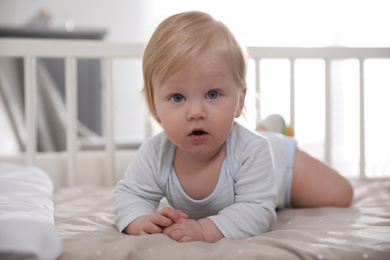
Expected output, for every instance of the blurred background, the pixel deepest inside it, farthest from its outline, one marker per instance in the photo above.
(294, 23)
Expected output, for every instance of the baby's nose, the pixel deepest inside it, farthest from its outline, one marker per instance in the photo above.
(196, 111)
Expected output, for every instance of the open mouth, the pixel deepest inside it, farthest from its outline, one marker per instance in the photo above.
(198, 135)
(198, 132)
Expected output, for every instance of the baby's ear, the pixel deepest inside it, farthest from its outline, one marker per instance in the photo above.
(241, 103)
(155, 114)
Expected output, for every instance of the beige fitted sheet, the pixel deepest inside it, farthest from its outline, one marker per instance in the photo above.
(85, 222)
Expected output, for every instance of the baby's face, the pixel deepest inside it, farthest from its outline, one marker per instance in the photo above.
(198, 104)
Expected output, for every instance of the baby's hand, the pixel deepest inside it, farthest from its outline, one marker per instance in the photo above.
(156, 222)
(191, 230)
(186, 230)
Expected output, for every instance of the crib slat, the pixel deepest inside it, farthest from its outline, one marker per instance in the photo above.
(292, 93)
(328, 114)
(257, 91)
(109, 121)
(148, 125)
(30, 86)
(362, 121)
(71, 105)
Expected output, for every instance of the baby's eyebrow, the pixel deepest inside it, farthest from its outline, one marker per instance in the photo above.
(171, 85)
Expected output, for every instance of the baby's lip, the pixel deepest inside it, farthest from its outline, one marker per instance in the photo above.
(198, 135)
(198, 132)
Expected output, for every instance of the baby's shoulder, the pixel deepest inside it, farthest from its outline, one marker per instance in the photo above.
(159, 148)
(156, 143)
(244, 136)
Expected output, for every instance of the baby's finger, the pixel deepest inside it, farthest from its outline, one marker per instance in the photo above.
(181, 214)
(151, 228)
(161, 220)
(185, 239)
(171, 214)
(173, 232)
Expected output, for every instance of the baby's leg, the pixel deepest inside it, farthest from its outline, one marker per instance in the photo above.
(315, 184)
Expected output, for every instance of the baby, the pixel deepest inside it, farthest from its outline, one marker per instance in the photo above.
(221, 179)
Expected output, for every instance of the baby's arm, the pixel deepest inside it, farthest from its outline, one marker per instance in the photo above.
(188, 230)
(156, 222)
(138, 195)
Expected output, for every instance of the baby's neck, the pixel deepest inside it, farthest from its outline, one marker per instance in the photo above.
(199, 161)
(199, 176)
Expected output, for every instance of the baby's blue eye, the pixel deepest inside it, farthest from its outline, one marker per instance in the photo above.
(177, 98)
(213, 94)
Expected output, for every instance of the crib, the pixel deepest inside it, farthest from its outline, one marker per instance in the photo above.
(83, 180)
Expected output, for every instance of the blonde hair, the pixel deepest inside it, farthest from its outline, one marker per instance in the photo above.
(179, 40)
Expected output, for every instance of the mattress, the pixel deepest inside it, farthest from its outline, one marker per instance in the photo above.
(84, 221)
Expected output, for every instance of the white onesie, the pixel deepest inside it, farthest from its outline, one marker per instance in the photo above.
(242, 203)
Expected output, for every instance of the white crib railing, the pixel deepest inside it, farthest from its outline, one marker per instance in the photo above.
(327, 54)
(71, 50)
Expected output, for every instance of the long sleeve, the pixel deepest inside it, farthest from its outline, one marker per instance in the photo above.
(140, 192)
(253, 211)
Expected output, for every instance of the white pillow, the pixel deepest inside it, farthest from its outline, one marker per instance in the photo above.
(27, 214)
